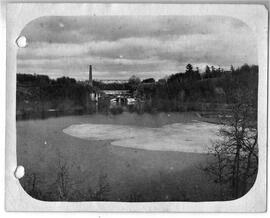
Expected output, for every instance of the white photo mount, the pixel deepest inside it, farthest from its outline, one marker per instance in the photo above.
(20, 14)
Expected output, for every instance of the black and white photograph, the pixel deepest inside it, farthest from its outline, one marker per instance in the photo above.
(137, 108)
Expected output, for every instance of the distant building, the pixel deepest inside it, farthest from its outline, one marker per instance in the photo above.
(110, 81)
(90, 80)
(95, 93)
(116, 92)
(149, 80)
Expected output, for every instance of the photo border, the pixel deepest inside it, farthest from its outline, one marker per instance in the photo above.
(255, 16)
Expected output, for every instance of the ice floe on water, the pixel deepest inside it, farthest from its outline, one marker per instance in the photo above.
(183, 137)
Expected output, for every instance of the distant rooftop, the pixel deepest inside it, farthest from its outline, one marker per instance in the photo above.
(108, 81)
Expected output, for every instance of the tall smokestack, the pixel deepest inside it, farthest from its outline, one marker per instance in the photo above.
(90, 76)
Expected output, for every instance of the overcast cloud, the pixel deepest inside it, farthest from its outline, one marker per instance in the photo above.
(146, 46)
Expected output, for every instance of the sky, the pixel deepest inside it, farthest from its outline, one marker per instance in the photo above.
(121, 46)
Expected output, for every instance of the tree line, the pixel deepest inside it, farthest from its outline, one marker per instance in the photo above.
(173, 93)
(194, 88)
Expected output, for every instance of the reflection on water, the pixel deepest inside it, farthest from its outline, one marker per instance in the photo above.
(185, 137)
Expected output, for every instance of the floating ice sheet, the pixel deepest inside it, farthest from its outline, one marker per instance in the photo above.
(183, 137)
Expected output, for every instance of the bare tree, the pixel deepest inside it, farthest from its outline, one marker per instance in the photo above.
(64, 182)
(102, 189)
(216, 167)
(235, 156)
(32, 185)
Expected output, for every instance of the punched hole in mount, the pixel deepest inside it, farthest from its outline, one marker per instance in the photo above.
(21, 42)
(19, 172)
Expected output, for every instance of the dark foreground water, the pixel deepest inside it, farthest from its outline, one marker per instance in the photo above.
(105, 165)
